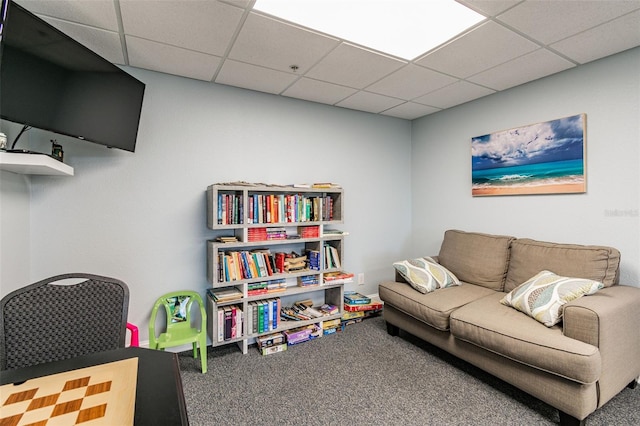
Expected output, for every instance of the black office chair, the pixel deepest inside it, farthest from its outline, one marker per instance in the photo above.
(53, 320)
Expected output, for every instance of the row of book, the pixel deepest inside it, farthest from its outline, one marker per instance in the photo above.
(279, 341)
(288, 208)
(259, 263)
(230, 209)
(240, 265)
(273, 208)
(265, 315)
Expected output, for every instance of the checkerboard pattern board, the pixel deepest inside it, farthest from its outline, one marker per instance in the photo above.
(91, 396)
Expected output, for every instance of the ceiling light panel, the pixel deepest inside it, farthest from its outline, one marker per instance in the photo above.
(403, 28)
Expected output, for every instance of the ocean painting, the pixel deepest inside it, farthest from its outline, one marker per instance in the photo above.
(543, 158)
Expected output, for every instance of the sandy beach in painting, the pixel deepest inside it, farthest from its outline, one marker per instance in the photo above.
(565, 188)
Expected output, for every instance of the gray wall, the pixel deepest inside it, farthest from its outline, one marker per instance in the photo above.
(141, 217)
(608, 91)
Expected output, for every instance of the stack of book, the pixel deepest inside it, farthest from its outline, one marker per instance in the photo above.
(257, 234)
(294, 263)
(358, 307)
(332, 326)
(308, 280)
(225, 294)
(271, 343)
(266, 287)
(266, 234)
(227, 239)
(309, 231)
(302, 334)
(304, 310)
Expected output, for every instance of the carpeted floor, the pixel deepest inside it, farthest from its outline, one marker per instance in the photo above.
(364, 376)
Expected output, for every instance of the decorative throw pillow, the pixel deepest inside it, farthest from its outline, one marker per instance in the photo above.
(542, 296)
(425, 274)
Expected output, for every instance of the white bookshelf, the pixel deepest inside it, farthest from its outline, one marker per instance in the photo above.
(243, 221)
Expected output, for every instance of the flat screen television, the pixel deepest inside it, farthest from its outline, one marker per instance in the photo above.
(50, 81)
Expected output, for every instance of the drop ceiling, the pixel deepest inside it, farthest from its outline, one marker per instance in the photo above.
(227, 42)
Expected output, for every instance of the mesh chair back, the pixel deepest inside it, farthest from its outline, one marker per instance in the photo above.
(46, 321)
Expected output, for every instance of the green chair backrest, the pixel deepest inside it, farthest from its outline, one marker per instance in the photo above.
(178, 308)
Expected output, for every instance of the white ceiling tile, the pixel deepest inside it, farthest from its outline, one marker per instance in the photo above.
(353, 66)
(410, 82)
(489, 7)
(410, 111)
(253, 77)
(203, 26)
(482, 48)
(370, 102)
(607, 39)
(318, 91)
(550, 20)
(274, 44)
(103, 42)
(532, 66)
(454, 94)
(95, 13)
(170, 59)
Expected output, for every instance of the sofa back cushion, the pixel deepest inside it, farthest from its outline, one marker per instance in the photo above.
(476, 258)
(529, 257)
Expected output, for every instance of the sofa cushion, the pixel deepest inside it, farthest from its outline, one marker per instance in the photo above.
(528, 257)
(543, 296)
(498, 328)
(432, 308)
(476, 258)
(425, 275)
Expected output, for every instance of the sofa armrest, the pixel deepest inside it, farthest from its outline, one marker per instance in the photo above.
(610, 320)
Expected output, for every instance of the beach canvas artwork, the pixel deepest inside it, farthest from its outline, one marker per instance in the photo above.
(543, 158)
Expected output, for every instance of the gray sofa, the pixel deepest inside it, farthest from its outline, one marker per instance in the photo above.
(575, 366)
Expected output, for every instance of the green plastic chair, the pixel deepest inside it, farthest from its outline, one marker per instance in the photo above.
(178, 330)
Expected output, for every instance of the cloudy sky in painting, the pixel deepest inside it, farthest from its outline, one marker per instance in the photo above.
(555, 140)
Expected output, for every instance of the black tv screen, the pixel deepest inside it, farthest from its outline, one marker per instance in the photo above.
(52, 82)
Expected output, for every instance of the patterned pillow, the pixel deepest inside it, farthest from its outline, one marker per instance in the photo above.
(543, 296)
(425, 274)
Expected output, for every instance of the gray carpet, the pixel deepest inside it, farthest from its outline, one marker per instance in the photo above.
(364, 376)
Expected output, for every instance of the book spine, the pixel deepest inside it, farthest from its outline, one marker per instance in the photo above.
(260, 317)
(234, 321)
(239, 321)
(265, 315)
(220, 324)
(227, 323)
(254, 314)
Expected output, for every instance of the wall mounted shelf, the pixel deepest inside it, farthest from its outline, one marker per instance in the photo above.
(33, 164)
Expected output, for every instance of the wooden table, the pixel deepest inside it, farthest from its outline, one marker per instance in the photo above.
(159, 396)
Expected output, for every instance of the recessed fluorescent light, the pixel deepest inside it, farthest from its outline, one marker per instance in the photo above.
(403, 28)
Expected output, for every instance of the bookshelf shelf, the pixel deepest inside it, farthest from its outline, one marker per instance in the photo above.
(266, 223)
